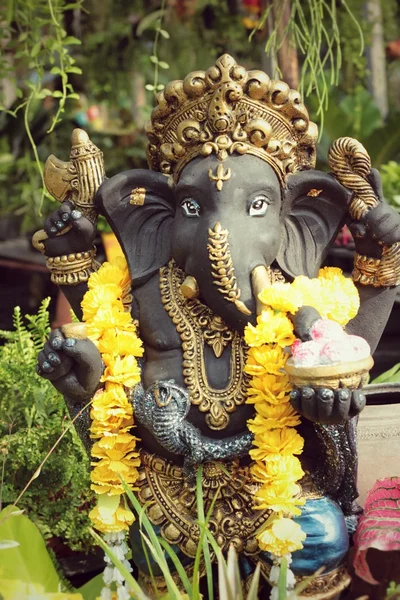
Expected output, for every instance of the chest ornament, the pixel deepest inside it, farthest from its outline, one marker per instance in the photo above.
(197, 325)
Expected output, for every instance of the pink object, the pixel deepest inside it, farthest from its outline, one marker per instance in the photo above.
(336, 351)
(324, 329)
(306, 354)
(361, 348)
(379, 526)
(93, 112)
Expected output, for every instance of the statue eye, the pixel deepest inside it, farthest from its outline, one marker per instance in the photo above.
(190, 207)
(259, 206)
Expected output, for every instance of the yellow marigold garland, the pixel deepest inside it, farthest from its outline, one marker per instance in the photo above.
(110, 326)
(276, 441)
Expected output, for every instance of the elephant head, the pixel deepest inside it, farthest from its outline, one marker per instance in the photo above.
(250, 220)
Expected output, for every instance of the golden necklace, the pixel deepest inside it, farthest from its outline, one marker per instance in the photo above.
(197, 325)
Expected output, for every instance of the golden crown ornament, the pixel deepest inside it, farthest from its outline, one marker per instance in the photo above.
(227, 110)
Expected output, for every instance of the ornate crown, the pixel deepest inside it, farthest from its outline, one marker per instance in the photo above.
(227, 109)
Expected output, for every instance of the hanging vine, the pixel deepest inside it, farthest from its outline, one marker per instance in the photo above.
(312, 28)
(35, 43)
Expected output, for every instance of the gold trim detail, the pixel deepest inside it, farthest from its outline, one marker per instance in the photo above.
(220, 176)
(351, 165)
(197, 325)
(172, 504)
(227, 110)
(222, 267)
(76, 180)
(314, 193)
(371, 271)
(137, 196)
(72, 269)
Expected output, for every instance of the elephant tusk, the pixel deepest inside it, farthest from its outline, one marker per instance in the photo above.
(260, 279)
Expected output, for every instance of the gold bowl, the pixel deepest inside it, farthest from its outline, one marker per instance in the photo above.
(351, 374)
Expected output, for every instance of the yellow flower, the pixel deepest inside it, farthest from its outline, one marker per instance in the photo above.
(279, 497)
(340, 299)
(281, 537)
(101, 296)
(281, 297)
(273, 416)
(265, 359)
(115, 272)
(277, 441)
(271, 328)
(121, 370)
(117, 457)
(121, 520)
(111, 412)
(269, 388)
(109, 317)
(278, 468)
(120, 342)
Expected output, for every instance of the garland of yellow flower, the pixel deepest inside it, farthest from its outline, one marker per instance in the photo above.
(276, 441)
(110, 326)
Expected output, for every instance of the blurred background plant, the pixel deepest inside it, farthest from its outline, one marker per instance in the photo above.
(33, 416)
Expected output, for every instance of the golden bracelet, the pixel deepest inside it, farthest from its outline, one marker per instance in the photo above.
(72, 269)
(375, 272)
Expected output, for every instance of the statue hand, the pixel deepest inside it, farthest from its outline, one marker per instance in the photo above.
(78, 238)
(73, 366)
(381, 225)
(326, 406)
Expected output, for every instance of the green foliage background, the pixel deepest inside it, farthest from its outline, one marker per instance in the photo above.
(33, 416)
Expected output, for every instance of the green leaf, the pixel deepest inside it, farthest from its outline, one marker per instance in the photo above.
(36, 49)
(92, 589)
(252, 594)
(282, 579)
(149, 87)
(164, 33)
(76, 70)
(8, 544)
(149, 21)
(154, 59)
(131, 581)
(23, 36)
(390, 376)
(73, 96)
(71, 41)
(154, 544)
(160, 86)
(163, 64)
(57, 94)
(56, 71)
(29, 563)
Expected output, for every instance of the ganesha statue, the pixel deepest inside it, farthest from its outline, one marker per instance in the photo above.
(220, 336)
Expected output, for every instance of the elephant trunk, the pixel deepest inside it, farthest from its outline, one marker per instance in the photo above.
(260, 279)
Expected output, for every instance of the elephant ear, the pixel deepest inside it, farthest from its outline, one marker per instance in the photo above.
(315, 207)
(139, 206)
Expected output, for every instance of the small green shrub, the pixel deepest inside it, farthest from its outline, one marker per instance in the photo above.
(390, 174)
(33, 416)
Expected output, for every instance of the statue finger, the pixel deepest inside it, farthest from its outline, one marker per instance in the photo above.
(57, 222)
(309, 404)
(358, 401)
(56, 339)
(295, 400)
(81, 224)
(325, 404)
(342, 404)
